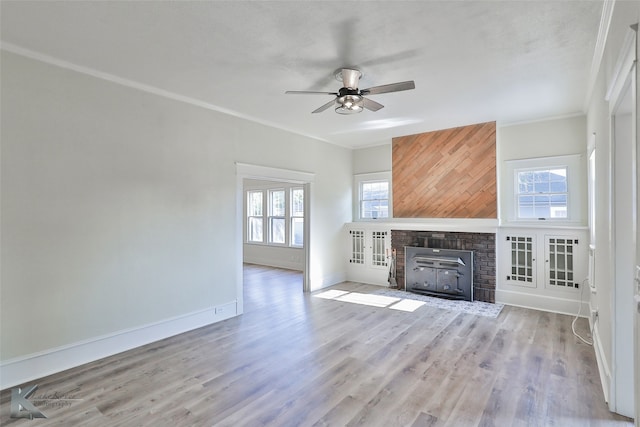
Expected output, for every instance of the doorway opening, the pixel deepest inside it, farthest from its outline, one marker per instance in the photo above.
(286, 232)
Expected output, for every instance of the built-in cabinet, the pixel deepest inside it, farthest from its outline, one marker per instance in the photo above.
(539, 268)
(369, 251)
(558, 256)
(543, 268)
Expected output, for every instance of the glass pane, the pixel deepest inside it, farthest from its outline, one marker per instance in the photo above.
(254, 203)
(375, 190)
(297, 231)
(276, 202)
(277, 230)
(374, 199)
(374, 209)
(542, 193)
(255, 230)
(297, 202)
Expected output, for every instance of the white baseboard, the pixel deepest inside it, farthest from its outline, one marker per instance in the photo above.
(542, 302)
(603, 365)
(280, 263)
(37, 365)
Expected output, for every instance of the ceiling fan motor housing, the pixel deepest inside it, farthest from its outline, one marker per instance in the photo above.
(349, 101)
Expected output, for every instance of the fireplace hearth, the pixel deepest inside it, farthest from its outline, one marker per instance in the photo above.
(445, 273)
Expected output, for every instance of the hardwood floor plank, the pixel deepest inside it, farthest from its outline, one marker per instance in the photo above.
(295, 359)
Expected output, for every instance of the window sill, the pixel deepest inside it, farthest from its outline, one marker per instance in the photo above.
(549, 224)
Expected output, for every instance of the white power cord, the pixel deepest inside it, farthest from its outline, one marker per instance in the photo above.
(573, 324)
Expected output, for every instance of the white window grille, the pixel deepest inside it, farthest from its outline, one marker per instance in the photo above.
(255, 218)
(522, 250)
(560, 262)
(277, 220)
(542, 193)
(378, 253)
(357, 246)
(297, 217)
(374, 199)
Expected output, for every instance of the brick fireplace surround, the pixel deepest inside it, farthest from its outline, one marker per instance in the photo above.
(483, 246)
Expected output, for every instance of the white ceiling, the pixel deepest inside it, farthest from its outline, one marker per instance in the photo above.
(472, 61)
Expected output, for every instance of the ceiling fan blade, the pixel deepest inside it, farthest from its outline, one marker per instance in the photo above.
(309, 92)
(393, 87)
(324, 107)
(371, 105)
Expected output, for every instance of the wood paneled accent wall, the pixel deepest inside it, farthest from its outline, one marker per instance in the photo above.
(448, 173)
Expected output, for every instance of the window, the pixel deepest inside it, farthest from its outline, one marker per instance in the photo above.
(255, 220)
(592, 197)
(372, 196)
(374, 199)
(297, 217)
(277, 218)
(542, 193)
(546, 188)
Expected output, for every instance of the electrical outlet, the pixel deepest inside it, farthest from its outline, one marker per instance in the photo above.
(594, 316)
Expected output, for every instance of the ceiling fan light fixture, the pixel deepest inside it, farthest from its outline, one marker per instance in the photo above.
(349, 104)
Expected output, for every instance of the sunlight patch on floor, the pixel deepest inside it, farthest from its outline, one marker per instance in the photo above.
(331, 294)
(407, 305)
(371, 300)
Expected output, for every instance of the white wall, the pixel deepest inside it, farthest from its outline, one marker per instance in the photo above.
(119, 208)
(372, 159)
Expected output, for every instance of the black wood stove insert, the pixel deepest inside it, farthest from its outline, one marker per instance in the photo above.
(446, 273)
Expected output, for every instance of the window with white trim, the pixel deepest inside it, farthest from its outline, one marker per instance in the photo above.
(275, 216)
(546, 188)
(372, 197)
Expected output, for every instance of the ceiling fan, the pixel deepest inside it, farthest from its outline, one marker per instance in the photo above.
(349, 99)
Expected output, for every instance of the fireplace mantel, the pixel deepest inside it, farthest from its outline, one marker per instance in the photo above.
(468, 225)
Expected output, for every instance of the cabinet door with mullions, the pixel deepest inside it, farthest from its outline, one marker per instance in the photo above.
(522, 250)
(559, 262)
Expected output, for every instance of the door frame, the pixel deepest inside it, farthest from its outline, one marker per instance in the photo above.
(624, 347)
(267, 173)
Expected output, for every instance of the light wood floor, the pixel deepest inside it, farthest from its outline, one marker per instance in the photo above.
(297, 360)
